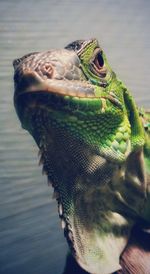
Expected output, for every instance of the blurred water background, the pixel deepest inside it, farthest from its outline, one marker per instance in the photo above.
(31, 240)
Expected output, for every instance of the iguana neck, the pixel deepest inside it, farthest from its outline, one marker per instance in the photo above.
(85, 186)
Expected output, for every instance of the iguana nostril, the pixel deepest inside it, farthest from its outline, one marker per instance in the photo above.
(45, 70)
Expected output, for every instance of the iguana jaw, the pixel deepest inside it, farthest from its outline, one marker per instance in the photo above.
(33, 82)
(74, 95)
(75, 105)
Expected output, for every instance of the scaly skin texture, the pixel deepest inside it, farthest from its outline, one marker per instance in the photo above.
(94, 146)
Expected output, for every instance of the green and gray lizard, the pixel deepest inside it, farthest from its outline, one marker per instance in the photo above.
(94, 145)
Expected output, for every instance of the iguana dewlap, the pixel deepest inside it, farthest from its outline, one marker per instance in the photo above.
(94, 147)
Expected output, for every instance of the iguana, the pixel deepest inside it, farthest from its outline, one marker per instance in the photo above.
(94, 146)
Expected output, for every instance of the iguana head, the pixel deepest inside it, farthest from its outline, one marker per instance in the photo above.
(82, 94)
(87, 127)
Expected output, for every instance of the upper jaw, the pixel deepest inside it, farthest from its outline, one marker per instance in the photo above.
(32, 82)
(35, 90)
(57, 73)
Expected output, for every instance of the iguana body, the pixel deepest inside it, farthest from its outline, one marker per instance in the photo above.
(91, 139)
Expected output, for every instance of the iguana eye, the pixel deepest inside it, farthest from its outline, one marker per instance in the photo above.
(99, 61)
(97, 64)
